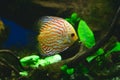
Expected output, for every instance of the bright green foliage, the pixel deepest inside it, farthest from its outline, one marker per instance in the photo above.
(34, 61)
(57, 58)
(67, 70)
(24, 73)
(42, 62)
(49, 60)
(114, 49)
(90, 58)
(85, 34)
(53, 59)
(29, 60)
(70, 71)
(73, 19)
(99, 52)
(64, 67)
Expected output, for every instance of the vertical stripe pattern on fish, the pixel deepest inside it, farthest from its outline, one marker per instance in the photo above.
(55, 35)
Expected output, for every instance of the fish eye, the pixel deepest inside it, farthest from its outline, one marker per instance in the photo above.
(72, 35)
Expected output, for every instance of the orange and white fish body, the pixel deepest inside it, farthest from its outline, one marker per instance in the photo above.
(55, 35)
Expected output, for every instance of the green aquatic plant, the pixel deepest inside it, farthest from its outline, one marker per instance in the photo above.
(116, 48)
(36, 67)
(24, 73)
(73, 19)
(85, 34)
(70, 71)
(29, 60)
(67, 70)
(86, 37)
(35, 61)
(98, 53)
(64, 67)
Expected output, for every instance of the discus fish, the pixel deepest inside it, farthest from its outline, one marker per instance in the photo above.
(55, 35)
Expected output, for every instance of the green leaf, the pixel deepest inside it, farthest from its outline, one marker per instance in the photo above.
(53, 59)
(64, 67)
(73, 19)
(67, 70)
(29, 60)
(70, 71)
(85, 34)
(34, 61)
(116, 48)
(90, 58)
(24, 73)
(42, 62)
(99, 52)
(70, 21)
(49, 60)
(74, 16)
